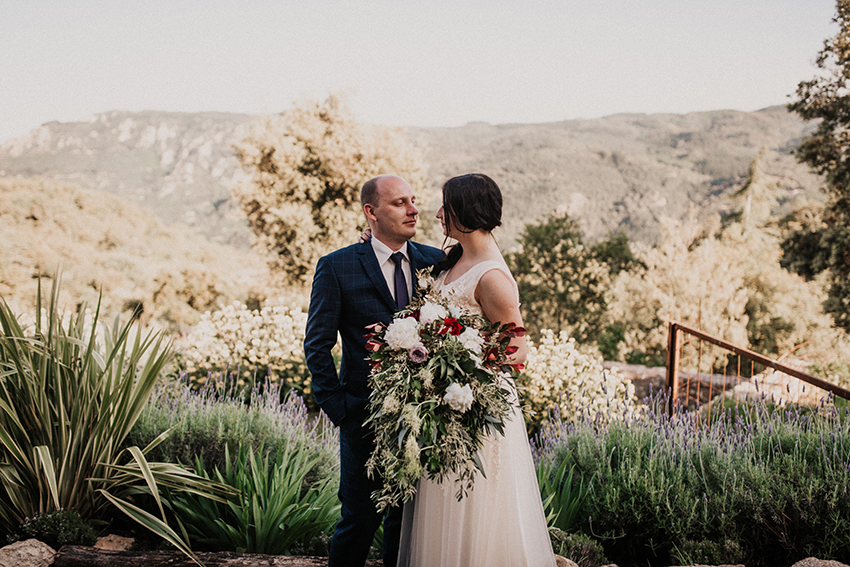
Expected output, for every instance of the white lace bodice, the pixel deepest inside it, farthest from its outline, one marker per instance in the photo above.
(461, 292)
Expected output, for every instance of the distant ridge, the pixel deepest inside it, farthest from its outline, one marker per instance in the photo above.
(622, 171)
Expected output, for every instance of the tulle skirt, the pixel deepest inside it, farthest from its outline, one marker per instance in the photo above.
(501, 522)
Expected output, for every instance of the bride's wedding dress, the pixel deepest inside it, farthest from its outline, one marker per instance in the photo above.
(501, 522)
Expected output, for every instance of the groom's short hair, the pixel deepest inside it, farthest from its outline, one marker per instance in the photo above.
(369, 192)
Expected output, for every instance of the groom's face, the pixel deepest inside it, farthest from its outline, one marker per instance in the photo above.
(394, 214)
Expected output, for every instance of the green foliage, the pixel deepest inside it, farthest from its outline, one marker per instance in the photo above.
(205, 424)
(62, 527)
(827, 151)
(578, 547)
(273, 511)
(757, 487)
(308, 166)
(563, 496)
(70, 396)
(562, 282)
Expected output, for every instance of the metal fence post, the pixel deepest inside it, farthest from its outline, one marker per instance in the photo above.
(672, 364)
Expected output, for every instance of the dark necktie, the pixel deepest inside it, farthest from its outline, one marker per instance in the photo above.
(401, 297)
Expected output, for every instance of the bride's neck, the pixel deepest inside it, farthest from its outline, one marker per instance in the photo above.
(477, 244)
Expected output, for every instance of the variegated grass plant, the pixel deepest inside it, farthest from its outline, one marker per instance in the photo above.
(274, 510)
(70, 392)
(282, 460)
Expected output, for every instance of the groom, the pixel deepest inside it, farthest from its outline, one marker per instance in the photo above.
(354, 287)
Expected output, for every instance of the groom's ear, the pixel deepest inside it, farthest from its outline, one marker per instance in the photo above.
(369, 211)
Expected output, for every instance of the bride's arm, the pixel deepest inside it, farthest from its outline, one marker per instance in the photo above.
(496, 295)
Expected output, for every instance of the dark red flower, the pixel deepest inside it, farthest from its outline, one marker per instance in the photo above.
(451, 326)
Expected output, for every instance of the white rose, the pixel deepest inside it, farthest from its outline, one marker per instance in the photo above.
(471, 340)
(456, 310)
(458, 398)
(403, 334)
(430, 312)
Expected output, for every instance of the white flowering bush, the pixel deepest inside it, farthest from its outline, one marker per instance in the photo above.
(559, 378)
(259, 343)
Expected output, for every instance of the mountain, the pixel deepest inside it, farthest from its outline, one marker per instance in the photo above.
(181, 166)
(625, 171)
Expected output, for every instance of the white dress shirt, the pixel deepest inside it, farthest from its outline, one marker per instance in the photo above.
(383, 253)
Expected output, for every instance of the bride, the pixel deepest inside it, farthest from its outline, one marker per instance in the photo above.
(501, 522)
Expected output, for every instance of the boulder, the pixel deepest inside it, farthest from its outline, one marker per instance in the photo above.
(815, 562)
(28, 553)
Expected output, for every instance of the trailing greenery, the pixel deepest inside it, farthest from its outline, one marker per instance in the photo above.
(70, 392)
(273, 511)
(754, 487)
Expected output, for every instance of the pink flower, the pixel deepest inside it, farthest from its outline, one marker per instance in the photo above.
(419, 354)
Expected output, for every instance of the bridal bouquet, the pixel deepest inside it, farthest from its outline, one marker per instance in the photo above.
(436, 373)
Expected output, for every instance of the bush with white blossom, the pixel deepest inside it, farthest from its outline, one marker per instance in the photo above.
(259, 343)
(560, 379)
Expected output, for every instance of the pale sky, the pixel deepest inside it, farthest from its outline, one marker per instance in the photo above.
(404, 63)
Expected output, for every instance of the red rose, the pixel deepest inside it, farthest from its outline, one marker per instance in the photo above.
(451, 326)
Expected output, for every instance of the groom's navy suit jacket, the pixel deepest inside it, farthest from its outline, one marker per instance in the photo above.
(349, 293)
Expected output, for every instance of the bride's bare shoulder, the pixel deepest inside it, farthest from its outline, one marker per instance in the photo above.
(497, 283)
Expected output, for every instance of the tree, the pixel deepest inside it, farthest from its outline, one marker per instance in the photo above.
(561, 281)
(308, 164)
(815, 249)
(727, 282)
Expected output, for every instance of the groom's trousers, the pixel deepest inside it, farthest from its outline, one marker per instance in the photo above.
(360, 518)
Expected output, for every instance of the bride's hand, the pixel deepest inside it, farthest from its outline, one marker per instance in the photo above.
(365, 236)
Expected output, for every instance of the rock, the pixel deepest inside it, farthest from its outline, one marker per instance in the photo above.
(815, 562)
(564, 562)
(114, 542)
(28, 553)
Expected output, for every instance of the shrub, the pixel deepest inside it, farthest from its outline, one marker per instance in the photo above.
(765, 488)
(258, 342)
(62, 527)
(207, 423)
(560, 379)
(582, 549)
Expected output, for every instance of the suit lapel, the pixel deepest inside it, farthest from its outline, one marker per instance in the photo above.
(415, 264)
(370, 264)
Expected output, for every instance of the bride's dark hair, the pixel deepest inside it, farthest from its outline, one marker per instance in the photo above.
(470, 202)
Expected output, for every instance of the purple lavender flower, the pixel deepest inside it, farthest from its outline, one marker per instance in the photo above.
(419, 354)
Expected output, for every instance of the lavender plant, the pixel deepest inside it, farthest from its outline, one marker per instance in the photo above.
(204, 423)
(754, 487)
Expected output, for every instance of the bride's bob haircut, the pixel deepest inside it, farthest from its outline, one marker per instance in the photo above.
(472, 202)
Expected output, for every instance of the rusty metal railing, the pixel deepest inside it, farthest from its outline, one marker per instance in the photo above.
(693, 381)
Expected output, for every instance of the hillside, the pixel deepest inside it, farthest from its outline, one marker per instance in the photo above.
(100, 242)
(623, 171)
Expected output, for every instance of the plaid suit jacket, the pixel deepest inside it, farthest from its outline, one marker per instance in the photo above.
(349, 293)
